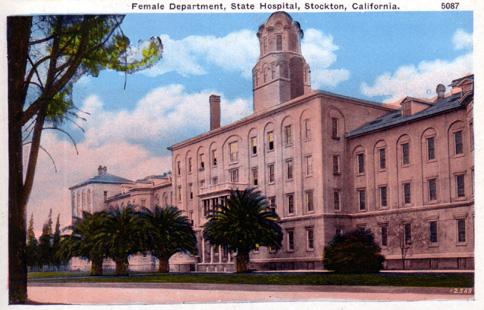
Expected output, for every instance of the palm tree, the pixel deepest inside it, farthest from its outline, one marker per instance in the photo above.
(84, 241)
(122, 233)
(168, 232)
(243, 223)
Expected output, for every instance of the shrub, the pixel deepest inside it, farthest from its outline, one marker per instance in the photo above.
(353, 252)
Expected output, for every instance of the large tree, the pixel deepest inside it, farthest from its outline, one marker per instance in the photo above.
(244, 222)
(46, 55)
(84, 241)
(168, 231)
(45, 242)
(122, 232)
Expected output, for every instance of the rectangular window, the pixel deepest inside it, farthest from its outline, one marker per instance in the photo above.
(272, 202)
(143, 202)
(459, 180)
(432, 183)
(202, 183)
(234, 151)
(214, 158)
(384, 235)
(234, 175)
(214, 181)
(189, 164)
(309, 165)
(179, 193)
(309, 201)
(271, 170)
(288, 135)
(202, 162)
(430, 148)
(405, 154)
(336, 170)
(289, 169)
(383, 160)
(178, 167)
(290, 240)
(471, 133)
(461, 230)
(253, 145)
(459, 147)
(255, 176)
(362, 199)
(433, 231)
(361, 163)
(310, 238)
(190, 189)
(383, 197)
(407, 233)
(334, 128)
(270, 141)
(307, 129)
(407, 193)
(336, 201)
(290, 203)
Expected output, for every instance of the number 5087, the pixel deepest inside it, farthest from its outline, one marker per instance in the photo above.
(449, 5)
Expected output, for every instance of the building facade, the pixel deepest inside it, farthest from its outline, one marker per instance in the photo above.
(328, 163)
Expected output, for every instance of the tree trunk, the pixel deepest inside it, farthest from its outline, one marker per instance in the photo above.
(241, 262)
(164, 265)
(18, 34)
(122, 267)
(97, 267)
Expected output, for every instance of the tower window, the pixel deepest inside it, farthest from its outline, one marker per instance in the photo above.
(405, 154)
(430, 148)
(432, 183)
(407, 194)
(383, 162)
(270, 141)
(459, 149)
(279, 42)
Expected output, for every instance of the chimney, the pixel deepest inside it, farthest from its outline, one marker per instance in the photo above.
(100, 170)
(440, 91)
(214, 111)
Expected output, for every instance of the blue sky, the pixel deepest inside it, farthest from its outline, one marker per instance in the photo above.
(376, 56)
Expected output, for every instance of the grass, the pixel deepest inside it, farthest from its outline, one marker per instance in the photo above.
(280, 278)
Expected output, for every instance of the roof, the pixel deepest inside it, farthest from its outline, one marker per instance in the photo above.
(456, 82)
(286, 105)
(103, 179)
(395, 118)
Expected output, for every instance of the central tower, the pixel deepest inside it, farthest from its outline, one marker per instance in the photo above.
(281, 73)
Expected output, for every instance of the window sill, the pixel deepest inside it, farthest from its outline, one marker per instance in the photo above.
(429, 161)
(336, 138)
(434, 245)
(461, 244)
(459, 155)
(232, 163)
(271, 183)
(290, 180)
(360, 174)
(253, 155)
(406, 165)
(288, 145)
(336, 173)
(382, 170)
(290, 251)
(270, 150)
(310, 250)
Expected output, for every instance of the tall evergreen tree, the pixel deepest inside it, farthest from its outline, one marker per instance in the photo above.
(56, 243)
(32, 245)
(45, 242)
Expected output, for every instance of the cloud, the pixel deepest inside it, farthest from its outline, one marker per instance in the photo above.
(420, 80)
(162, 117)
(235, 52)
(238, 52)
(462, 40)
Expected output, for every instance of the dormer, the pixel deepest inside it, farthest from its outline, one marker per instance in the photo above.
(463, 84)
(410, 105)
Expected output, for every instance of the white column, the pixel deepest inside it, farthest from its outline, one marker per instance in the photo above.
(211, 254)
(203, 250)
(220, 253)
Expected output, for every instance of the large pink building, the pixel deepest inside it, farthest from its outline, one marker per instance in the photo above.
(329, 163)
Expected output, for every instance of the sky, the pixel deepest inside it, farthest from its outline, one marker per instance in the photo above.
(376, 56)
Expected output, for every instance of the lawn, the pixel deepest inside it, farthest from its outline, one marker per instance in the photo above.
(280, 278)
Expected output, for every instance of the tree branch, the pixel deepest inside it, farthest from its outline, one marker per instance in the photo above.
(48, 154)
(67, 134)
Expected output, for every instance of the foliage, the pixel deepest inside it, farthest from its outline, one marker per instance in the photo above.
(353, 252)
(45, 242)
(242, 224)
(84, 241)
(32, 245)
(122, 233)
(167, 232)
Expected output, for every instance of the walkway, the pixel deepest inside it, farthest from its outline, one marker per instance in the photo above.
(169, 293)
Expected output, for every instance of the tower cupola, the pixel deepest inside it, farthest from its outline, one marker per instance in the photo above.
(281, 72)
